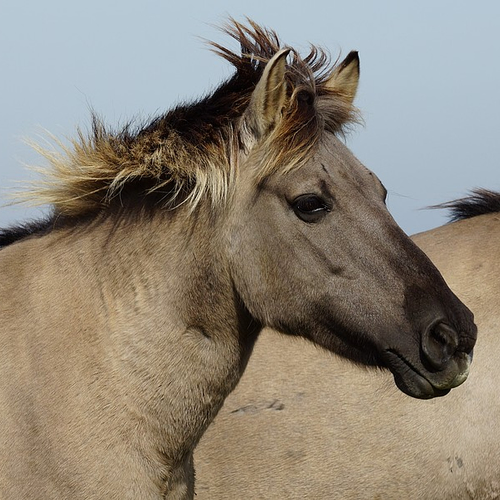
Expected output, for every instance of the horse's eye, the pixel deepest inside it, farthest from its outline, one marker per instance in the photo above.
(309, 207)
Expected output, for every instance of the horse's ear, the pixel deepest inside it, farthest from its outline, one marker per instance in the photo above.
(268, 98)
(345, 77)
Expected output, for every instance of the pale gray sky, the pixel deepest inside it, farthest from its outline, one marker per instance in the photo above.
(429, 92)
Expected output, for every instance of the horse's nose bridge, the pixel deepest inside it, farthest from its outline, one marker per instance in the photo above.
(399, 257)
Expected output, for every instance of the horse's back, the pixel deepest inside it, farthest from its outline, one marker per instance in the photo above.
(20, 353)
(333, 430)
(47, 406)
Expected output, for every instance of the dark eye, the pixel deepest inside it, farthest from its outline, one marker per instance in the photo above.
(309, 207)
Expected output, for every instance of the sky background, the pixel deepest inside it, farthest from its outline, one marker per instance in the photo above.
(429, 89)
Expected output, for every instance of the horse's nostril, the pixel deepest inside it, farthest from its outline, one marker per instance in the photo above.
(439, 344)
(438, 335)
(446, 337)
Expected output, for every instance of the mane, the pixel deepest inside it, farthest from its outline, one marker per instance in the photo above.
(190, 153)
(15, 233)
(478, 202)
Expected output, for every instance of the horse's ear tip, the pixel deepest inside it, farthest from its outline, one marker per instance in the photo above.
(353, 56)
(351, 61)
(283, 53)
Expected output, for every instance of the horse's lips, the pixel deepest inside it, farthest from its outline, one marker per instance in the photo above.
(410, 381)
(419, 388)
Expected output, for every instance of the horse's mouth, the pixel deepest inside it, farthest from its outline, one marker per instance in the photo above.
(414, 383)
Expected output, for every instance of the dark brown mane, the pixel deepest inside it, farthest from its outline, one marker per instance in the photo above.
(20, 231)
(189, 153)
(478, 202)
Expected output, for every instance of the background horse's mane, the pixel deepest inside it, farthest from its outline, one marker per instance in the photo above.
(190, 152)
(478, 202)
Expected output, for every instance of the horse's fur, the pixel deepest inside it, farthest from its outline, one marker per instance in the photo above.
(129, 315)
(333, 431)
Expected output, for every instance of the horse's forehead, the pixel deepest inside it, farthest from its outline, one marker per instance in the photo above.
(331, 165)
(336, 153)
(333, 161)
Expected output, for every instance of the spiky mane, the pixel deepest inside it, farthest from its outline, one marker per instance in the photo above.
(190, 153)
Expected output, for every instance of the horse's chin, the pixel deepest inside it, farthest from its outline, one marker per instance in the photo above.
(413, 383)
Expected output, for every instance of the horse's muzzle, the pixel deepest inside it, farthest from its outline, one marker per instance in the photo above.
(420, 383)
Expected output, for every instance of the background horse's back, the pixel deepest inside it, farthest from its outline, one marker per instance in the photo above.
(337, 432)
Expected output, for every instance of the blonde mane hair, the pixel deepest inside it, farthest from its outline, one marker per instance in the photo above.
(190, 153)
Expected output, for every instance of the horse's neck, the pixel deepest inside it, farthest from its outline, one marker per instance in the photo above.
(150, 295)
(171, 295)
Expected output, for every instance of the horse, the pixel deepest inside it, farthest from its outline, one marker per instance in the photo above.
(333, 431)
(129, 314)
